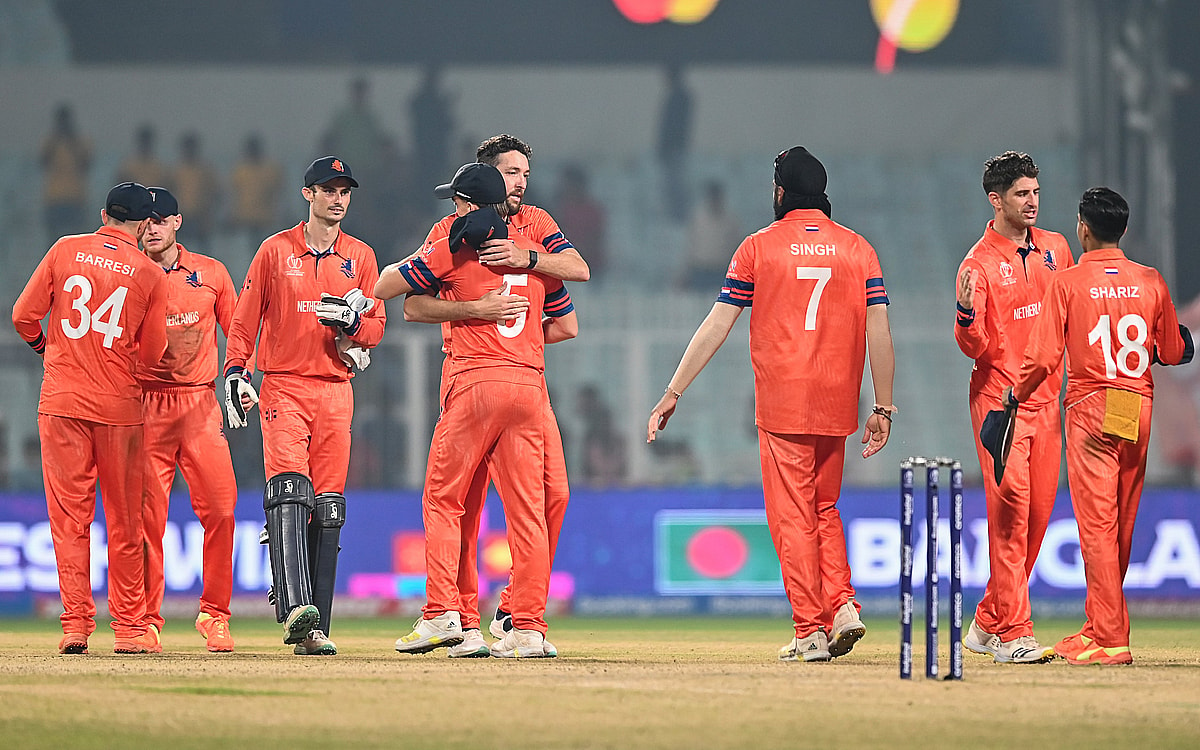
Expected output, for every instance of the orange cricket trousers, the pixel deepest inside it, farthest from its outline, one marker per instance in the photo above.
(802, 480)
(1106, 475)
(75, 454)
(489, 414)
(558, 494)
(1018, 513)
(183, 428)
(306, 428)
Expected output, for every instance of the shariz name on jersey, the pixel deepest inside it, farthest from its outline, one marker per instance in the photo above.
(1115, 292)
(106, 263)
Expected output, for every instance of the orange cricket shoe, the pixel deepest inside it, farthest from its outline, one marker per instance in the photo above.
(147, 643)
(1071, 646)
(215, 631)
(73, 643)
(1115, 655)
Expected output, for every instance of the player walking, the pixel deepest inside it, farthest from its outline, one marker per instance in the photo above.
(106, 304)
(1001, 283)
(820, 305)
(183, 421)
(493, 410)
(557, 259)
(307, 289)
(1113, 317)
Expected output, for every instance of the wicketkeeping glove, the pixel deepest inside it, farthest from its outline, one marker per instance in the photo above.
(343, 312)
(237, 387)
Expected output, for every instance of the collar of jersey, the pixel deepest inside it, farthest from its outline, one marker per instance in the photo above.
(181, 263)
(1004, 245)
(1102, 255)
(118, 234)
(299, 252)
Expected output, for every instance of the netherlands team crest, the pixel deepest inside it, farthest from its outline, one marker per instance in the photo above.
(1049, 258)
(347, 268)
(193, 280)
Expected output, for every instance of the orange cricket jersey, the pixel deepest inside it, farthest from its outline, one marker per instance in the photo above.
(530, 222)
(281, 292)
(1007, 303)
(479, 343)
(1110, 314)
(200, 296)
(810, 281)
(107, 310)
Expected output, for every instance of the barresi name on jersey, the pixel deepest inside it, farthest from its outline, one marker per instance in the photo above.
(106, 263)
(803, 248)
(306, 305)
(183, 319)
(1028, 311)
(1115, 292)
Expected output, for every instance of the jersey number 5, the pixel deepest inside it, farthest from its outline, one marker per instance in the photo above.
(106, 320)
(511, 281)
(1131, 335)
(821, 275)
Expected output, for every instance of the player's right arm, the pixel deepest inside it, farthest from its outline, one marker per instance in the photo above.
(247, 314)
(33, 304)
(882, 356)
(970, 333)
(493, 306)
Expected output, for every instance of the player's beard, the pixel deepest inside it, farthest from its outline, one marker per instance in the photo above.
(509, 208)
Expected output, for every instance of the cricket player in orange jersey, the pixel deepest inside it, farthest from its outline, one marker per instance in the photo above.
(1001, 283)
(308, 291)
(493, 410)
(1114, 318)
(558, 259)
(183, 421)
(819, 307)
(106, 304)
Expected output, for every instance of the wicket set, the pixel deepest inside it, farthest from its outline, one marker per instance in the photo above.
(907, 510)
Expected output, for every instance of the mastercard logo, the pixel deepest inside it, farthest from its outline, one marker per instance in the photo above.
(675, 11)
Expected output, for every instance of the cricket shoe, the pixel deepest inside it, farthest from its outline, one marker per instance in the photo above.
(1093, 654)
(147, 643)
(73, 643)
(848, 630)
(501, 623)
(981, 641)
(1071, 646)
(814, 647)
(316, 643)
(521, 644)
(549, 649)
(299, 622)
(472, 647)
(215, 630)
(443, 630)
(1023, 650)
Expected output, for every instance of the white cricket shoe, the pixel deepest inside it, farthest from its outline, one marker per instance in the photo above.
(299, 622)
(316, 643)
(501, 623)
(443, 630)
(980, 641)
(472, 647)
(814, 647)
(549, 649)
(520, 644)
(848, 629)
(1023, 650)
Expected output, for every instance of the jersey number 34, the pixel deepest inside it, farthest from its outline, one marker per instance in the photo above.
(105, 320)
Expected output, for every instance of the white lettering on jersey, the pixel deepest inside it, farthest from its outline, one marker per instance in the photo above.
(1115, 292)
(183, 319)
(1028, 311)
(107, 264)
(804, 248)
(306, 305)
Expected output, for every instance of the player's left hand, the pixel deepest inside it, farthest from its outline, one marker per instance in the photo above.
(497, 252)
(659, 415)
(875, 435)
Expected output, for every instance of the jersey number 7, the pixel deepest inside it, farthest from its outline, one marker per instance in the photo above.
(821, 275)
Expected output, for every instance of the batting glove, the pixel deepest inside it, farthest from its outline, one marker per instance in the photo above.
(237, 390)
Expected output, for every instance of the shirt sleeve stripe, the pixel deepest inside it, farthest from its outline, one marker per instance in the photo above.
(558, 304)
(876, 293)
(38, 344)
(965, 317)
(556, 243)
(418, 275)
(737, 292)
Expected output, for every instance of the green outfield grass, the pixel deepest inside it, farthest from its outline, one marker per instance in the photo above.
(619, 683)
